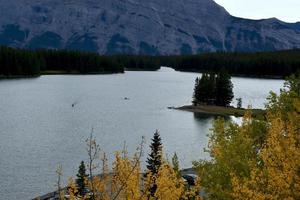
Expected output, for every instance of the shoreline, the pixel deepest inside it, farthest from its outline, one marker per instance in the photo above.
(54, 72)
(61, 72)
(49, 73)
(270, 77)
(220, 110)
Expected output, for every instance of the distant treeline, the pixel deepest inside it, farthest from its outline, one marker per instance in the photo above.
(263, 64)
(15, 62)
(139, 62)
(21, 62)
(78, 62)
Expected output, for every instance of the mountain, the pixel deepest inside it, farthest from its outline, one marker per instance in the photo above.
(139, 27)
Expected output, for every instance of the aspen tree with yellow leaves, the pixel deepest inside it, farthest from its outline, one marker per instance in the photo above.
(277, 174)
(126, 180)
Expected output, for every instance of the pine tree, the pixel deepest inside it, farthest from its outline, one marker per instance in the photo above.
(154, 160)
(155, 157)
(195, 95)
(224, 86)
(205, 89)
(211, 89)
(81, 176)
(201, 89)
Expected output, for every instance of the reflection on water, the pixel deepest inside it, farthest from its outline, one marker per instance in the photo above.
(206, 118)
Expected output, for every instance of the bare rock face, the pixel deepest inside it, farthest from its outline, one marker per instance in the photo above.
(139, 27)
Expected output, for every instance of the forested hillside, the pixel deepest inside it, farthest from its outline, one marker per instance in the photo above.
(15, 62)
(20, 62)
(274, 64)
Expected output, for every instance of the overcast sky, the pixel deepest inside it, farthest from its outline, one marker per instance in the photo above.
(286, 10)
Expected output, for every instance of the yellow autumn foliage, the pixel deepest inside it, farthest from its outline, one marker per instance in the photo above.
(258, 159)
(127, 182)
(169, 186)
(276, 175)
(126, 178)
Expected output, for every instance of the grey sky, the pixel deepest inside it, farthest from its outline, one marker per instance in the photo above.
(286, 10)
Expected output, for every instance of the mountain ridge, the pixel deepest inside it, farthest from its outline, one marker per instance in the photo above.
(153, 27)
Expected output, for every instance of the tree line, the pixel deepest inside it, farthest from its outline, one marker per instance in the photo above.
(278, 64)
(263, 64)
(21, 62)
(78, 62)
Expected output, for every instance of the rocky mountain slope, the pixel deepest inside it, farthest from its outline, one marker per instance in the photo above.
(139, 27)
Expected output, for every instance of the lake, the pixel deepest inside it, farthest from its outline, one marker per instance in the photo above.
(40, 129)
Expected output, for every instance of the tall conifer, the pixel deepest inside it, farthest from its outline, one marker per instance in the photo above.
(155, 157)
(224, 86)
(81, 176)
(154, 160)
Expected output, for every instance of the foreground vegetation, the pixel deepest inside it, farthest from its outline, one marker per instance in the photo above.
(125, 179)
(20, 62)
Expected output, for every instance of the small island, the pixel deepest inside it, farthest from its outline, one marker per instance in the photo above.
(213, 94)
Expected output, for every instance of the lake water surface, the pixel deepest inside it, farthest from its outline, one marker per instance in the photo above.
(40, 129)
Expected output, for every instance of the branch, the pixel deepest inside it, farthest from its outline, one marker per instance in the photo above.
(134, 167)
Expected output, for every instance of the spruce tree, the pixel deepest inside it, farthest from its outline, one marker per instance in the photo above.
(154, 160)
(200, 90)
(224, 86)
(211, 89)
(205, 89)
(155, 157)
(195, 95)
(80, 181)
